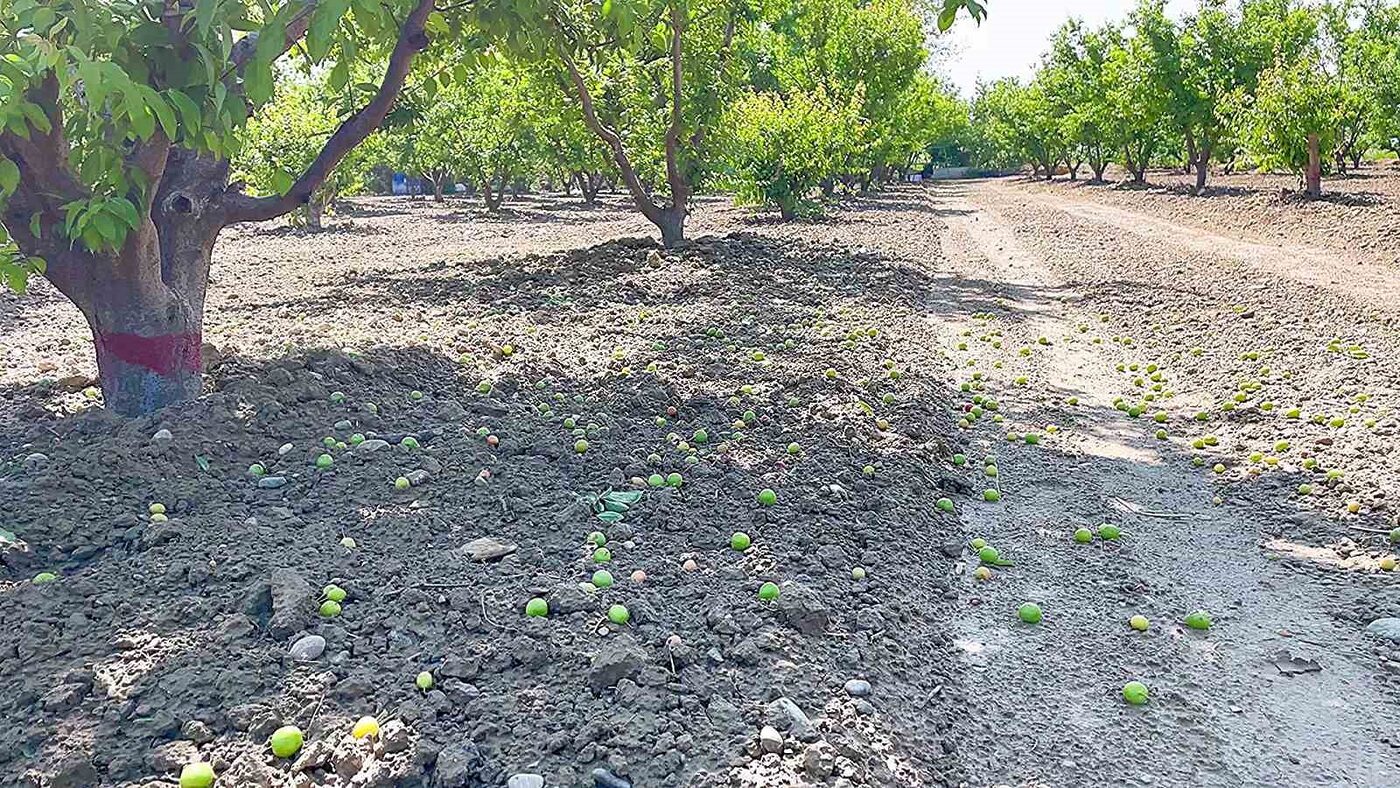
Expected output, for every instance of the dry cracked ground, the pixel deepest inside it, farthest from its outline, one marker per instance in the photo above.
(1203, 384)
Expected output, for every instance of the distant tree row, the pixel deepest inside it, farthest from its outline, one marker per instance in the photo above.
(1275, 84)
(777, 102)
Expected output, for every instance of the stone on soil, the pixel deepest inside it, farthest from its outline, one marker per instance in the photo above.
(1388, 628)
(291, 601)
(307, 648)
(487, 548)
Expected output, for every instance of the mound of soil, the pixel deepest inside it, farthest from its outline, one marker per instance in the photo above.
(194, 634)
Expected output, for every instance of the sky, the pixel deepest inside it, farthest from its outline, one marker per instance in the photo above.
(1010, 41)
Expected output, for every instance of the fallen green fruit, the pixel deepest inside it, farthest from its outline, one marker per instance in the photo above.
(334, 593)
(1199, 620)
(656, 480)
(602, 578)
(286, 741)
(424, 681)
(674, 480)
(330, 608)
(946, 505)
(991, 496)
(1138, 622)
(740, 541)
(988, 554)
(325, 461)
(44, 577)
(768, 592)
(1083, 535)
(537, 608)
(401, 483)
(618, 614)
(977, 543)
(1135, 692)
(1030, 613)
(602, 555)
(1110, 531)
(959, 459)
(581, 446)
(197, 775)
(767, 497)
(597, 539)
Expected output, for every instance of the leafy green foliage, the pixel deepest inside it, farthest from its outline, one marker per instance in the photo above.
(781, 148)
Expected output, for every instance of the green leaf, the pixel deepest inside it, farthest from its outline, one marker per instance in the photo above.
(324, 23)
(189, 111)
(125, 210)
(611, 518)
(9, 176)
(282, 181)
(202, 462)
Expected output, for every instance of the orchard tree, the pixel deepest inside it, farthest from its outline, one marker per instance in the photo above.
(118, 120)
(779, 149)
(1020, 125)
(1079, 90)
(1292, 119)
(1137, 106)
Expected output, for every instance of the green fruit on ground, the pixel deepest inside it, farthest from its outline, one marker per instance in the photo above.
(1160, 417)
(740, 541)
(334, 593)
(674, 480)
(537, 608)
(619, 614)
(991, 471)
(991, 496)
(44, 577)
(656, 480)
(1030, 613)
(1032, 438)
(424, 681)
(1138, 622)
(1110, 531)
(1219, 468)
(602, 578)
(1135, 692)
(988, 554)
(868, 470)
(793, 448)
(1161, 435)
(1395, 536)
(330, 608)
(602, 555)
(410, 442)
(1083, 535)
(1305, 489)
(767, 497)
(700, 436)
(858, 573)
(325, 461)
(768, 592)
(959, 459)
(978, 543)
(256, 470)
(597, 539)
(944, 504)
(581, 446)
(1199, 620)
(286, 741)
(401, 483)
(197, 775)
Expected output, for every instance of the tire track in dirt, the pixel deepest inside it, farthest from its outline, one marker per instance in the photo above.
(1045, 706)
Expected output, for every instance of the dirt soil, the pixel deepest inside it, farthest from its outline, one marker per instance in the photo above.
(166, 642)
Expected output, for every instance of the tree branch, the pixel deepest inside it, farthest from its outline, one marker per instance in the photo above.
(353, 131)
(644, 202)
(675, 178)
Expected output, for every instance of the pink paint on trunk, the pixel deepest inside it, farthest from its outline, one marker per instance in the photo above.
(163, 355)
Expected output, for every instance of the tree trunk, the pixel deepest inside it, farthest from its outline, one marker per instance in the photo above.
(1313, 174)
(315, 209)
(672, 225)
(1201, 162)
(787, 208)
(437, 189)
(1357, 154)
(1098, 168)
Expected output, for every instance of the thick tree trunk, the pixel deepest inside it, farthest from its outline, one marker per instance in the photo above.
(1201, 161)
(1098, 168)
(437, 190)
(671, 222)
(1313, 174)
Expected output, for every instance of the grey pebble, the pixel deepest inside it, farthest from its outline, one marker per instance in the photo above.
(271, 482)
(602, 778)
(857, 688)
(525, 781)
(307, 648)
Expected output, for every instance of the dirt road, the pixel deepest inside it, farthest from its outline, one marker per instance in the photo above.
(1245, 702)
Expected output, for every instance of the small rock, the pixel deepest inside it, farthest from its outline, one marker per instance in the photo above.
(525, 781)
(169, 757)
(803, 610)
(197, 732)
(857, 688)
(769, 740)
(162, 437)
(418, 477)
(279, 376)
(393, 737)
(616, 660)
(307, 648)
(285, 449)
(271, 482)
(819, 760)
(36, 461)
(315, 755)
(291, 601)
(371, 446)
(785, 714)
(602, 778)
(489, 548)
(1388, 628)
(458, 765)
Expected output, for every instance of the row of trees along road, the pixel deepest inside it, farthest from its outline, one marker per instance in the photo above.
(133, 131)
(1277, 84)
